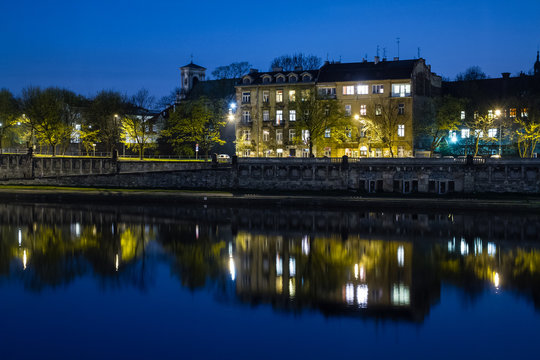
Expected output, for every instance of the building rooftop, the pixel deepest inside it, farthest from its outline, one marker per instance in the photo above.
(191, 65)
(363, 71)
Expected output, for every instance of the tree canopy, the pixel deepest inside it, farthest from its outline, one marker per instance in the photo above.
(232, 71)
(290, 62)
(472, 73)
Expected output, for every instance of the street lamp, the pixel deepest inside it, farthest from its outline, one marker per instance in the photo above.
(498, 116)
(356, 116)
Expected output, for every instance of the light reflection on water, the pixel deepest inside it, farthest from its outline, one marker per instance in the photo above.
(359, 264)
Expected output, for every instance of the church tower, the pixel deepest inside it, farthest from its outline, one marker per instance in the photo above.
(537, 64)
(190, 75)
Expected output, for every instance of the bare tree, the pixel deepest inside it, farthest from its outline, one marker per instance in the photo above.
(381, 122)
(231, 71)
(290, 62)
(472, 73)
(138, 129)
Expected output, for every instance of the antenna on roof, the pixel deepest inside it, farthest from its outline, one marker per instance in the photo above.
(326, 56)
(384, 53)
(397, 41)
(377, 50)
(419, 52)
(192, 58)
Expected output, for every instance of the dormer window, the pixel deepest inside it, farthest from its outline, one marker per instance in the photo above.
(306, 78)
(246, 81)
(267, 79)
(293, 78)
(280, 79)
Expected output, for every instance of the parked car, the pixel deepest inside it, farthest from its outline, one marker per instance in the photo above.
(223, 158)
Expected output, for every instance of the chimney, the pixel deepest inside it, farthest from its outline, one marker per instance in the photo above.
(364, 60)
(505, 75)
(376, 60)
(277, 69)
(326, 62)
(396, 58)
(298, 68)
(253, 71)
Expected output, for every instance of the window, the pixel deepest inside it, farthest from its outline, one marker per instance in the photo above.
(348, 90)
(305, 136)
(280, 79)
(292, 134)
(524, 112)
(266, 96)
(304, 94)
(401, 130)
(513, 112)
(363, 151)
(362, 89)
(279, 95)
(246, 97)
(400, 151)
(266, 79)
(462, 117)
(266, 115)
(293, 78)
(378, 152)
(279, 153)
(306, 78)
(279, 117)
(348, 110)
(490, 114)
(401, 109)
(377, 89)
(492, 133)
(292, 115)
(479, 133)
(401, 90)
(246, 116)
(292, 95)
(363, 110)
(246, 81)
(246, 134)
(329, 91)
(378, 110)
(465, 133)
(247, 152)
(452, 135)
(279, 136)
(266, 135)
(327, 133)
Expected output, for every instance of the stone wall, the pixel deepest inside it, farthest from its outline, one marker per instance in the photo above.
(404, 175)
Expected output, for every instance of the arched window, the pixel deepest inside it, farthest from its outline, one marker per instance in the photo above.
(306, 78)
(246, 81)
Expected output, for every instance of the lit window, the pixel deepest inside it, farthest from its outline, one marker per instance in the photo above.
(292, 95)
(453, 136)
(292, 115)
(266, 135)
(292, 134)
(378, 110)
(246, 116)
(401, 256)
(292, 266)
(279, 152)
(363, 151)
(327, 133)
(401, 90)
(279, 117)
(246, 134)
(362, 89)
(363, 110)
(348, 110)
(478, 133)
(279, 136)
(246, 97)
(513, 112)
(462, 115)
(304, 95)
(279, 265)
(490, 114)
(401, 130)
(377, 89)
(400, 295)
(401, 109)
(266, 96)
(348, 90)
(524, 112)
(266, 115)
(279, 95)
(492, 133)
(400, 151)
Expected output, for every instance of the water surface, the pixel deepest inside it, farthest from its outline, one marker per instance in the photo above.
(124, 281)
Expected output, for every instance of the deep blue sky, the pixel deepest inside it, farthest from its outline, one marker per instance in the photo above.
(125, 45)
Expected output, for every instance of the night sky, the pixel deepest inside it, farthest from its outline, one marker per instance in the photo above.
(125, 45)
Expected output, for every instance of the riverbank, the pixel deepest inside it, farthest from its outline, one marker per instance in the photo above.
(328, 200)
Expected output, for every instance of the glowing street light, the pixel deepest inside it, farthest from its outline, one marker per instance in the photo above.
(356, 116)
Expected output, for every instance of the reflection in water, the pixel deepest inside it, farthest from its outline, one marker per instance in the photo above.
(357, 263)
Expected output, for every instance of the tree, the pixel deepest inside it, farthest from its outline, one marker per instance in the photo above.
(290, 62)
(104, 114)
(138, 133)
(50, 114)
(231, 71)
(445, 117)
(315, 114)
(472, 73)
(381, 122)
(195, 122)
(9, 113)
(479, 127)
(527, 136)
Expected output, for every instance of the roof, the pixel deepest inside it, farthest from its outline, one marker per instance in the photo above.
(493, 89)
(191, 65)
(258, 76)
(362, 71)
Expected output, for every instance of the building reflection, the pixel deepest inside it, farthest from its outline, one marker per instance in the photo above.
(365, 264)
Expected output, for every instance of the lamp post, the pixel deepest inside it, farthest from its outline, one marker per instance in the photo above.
(232, 108)
(498, 116)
